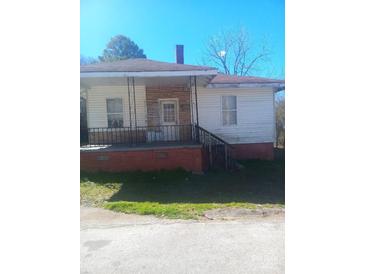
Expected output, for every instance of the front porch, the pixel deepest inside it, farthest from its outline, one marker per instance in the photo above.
(153, 148)
(147, 119)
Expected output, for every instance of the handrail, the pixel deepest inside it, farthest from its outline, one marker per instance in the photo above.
(212, 149)
(214, 136)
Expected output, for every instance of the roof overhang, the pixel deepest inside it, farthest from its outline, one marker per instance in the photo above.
(276, 86)
(148, 73)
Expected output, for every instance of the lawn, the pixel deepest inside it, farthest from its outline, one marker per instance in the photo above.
(181, 194)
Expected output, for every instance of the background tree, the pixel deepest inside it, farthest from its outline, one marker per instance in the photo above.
(119, 48)
(87, 60)
(233, 53)
(280, 120)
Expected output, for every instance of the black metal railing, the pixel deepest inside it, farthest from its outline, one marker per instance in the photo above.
(218, 151)
(136, 135)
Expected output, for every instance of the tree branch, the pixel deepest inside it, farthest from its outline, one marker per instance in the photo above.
(237, 48)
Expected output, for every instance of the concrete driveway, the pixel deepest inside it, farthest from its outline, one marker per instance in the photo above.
(120, 243)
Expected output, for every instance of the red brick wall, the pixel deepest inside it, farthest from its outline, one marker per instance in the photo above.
(145, 160)
(263, 151)
(153, 94)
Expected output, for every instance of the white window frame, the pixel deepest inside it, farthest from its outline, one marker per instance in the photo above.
(236, 110)
(166, 100)
(107, 113)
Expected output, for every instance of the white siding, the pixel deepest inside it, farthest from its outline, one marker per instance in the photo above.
(96, 104)
(255, 114)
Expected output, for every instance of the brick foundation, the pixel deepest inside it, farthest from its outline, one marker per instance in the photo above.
(188, 158)
(262, 151)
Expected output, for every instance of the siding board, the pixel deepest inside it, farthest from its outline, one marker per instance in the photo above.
(255, 111)
(96, 104)
(255, 114)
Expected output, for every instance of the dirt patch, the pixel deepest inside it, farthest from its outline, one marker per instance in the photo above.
(229, 213)
(91, 217)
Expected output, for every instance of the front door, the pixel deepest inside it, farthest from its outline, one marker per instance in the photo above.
(169, 119)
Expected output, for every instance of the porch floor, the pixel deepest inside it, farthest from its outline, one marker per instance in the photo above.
(142, 146)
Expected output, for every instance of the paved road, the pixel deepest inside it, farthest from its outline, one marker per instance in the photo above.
(120, 243)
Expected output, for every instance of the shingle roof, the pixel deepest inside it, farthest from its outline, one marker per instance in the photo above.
(147, 65)
(140, 65)
(233, 79)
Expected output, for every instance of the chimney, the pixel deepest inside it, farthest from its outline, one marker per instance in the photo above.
(180, 54)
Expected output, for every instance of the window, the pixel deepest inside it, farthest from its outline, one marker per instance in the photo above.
(169, 114)
(114, 109)
(229, 110)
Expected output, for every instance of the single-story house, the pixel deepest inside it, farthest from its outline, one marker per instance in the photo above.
(142, 114)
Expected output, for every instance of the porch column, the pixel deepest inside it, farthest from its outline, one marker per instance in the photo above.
(130, 113)
(191, 101)
(196, 110)
(135, 105)
(132, 104)
(129, 104)
(196, 102)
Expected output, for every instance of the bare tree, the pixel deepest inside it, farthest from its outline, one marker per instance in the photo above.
(233, 52)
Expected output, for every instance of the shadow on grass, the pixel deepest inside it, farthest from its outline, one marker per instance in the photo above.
(259, 182)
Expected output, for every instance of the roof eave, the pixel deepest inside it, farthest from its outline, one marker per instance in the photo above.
(148, 73)
(276, 86)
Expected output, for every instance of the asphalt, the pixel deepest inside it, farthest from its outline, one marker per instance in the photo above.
(121, 243)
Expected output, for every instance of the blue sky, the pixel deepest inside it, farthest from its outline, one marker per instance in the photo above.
(158, 25)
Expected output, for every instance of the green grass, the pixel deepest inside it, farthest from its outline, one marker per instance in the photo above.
(173, 210)
(180, 194)
(94, 193)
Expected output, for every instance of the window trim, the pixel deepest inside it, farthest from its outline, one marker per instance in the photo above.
(162, 100)
(236, 110)
(107, 113)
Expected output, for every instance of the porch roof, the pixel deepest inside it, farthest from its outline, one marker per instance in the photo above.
(140, 67)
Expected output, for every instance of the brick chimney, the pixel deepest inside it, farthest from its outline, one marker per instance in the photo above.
(179, 54)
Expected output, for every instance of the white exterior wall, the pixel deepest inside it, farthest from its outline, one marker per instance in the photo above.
(255, 111)
(255, 114)
(96, 104)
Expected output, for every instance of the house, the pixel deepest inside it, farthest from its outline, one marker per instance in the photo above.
(146, 115)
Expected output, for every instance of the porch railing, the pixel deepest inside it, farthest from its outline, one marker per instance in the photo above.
(218, 151)
(136, 135)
